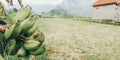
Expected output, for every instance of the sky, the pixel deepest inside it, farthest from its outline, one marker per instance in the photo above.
(37, 5)
(38, 2)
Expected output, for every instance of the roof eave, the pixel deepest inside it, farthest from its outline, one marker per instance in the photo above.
(94, 5)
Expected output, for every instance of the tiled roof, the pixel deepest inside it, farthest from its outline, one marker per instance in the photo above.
(104, 2)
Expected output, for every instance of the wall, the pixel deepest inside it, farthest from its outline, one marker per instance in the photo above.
(118, 13)
(106, 12)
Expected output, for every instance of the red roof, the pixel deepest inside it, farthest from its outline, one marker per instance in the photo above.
(104, 2)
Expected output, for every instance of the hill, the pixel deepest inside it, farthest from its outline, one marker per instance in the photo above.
(74, 8)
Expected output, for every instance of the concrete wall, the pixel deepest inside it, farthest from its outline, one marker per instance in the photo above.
(118, 13)
(105, 12)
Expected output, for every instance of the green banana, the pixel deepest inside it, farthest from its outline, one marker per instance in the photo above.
(39, 51)
(15, 50)
(20, 38)
(35, 27)
(7, 14)
(16, 30)
(1, 37)
(22, 14)
(26, 25)
(31, 45)
(1, 58)
(11, 46)
(39, 37)
(1, 13)
(1, 43)
(21, 52)
(1, 48)
(27, 57)
(13, 14)
(13, 31)
(30, 12)
(9, 31)
(1, 9)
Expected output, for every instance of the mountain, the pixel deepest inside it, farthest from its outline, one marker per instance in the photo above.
(74, 7)
(38, 9)
(42, 8)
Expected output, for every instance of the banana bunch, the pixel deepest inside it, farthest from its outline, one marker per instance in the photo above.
(21, 37)
(26, 25)
(34, 27)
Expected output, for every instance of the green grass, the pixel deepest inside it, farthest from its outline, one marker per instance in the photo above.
(68, 39)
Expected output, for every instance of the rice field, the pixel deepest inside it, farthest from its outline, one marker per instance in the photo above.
(68, 39)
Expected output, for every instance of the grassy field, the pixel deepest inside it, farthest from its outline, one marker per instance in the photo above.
(68, 39)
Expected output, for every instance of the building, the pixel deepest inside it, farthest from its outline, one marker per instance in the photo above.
(107, 10)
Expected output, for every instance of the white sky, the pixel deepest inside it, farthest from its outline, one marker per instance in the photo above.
(38, 2)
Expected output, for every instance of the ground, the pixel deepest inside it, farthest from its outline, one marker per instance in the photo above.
(70, 39)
